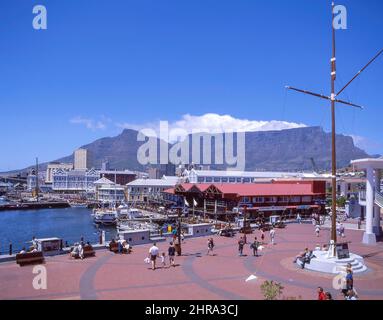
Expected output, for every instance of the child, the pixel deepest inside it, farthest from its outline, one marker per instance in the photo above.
(163, 259)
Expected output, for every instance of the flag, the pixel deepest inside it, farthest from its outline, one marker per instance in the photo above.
(186, 203)
(194, 202)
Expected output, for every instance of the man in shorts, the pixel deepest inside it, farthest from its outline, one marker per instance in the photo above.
(153, 253)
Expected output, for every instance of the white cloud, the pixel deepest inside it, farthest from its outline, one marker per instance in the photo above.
(91, 123)
(215, 123)
(366, 144)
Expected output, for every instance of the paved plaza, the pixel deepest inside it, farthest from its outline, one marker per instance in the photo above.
(196, 276)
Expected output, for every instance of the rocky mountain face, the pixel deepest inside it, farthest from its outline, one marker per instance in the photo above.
(285, 150)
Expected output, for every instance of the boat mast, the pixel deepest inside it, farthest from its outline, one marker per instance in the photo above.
(334, 98)
(333, 131)
(37, 179)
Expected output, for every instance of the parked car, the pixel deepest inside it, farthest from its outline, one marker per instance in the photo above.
(226, 232)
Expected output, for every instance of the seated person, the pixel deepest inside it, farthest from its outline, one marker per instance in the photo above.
(126, 247)
(75, 252)
(301, 255)
(23, 250)
(324, 247)
(306, 258)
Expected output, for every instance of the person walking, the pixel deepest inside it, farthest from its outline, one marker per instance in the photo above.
(153, 253)
(299, 219)
(241, 244)
(317, 230)
(321, 294)
(262, 235)
(272, 236)
(341, 230)
(171, 253)
(210, 246)
(255, 246)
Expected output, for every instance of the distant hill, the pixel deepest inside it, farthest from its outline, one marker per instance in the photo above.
(285, 150)
(289, 150)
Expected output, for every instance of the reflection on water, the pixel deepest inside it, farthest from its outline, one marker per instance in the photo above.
(69, 224)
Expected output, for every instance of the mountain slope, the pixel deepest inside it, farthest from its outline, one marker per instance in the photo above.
(289, 150)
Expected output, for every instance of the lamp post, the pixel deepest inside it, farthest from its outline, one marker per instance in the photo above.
(179, 251)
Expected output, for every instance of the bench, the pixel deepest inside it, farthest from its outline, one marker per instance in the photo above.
(113, 246)
(29, 258)
(89, 251)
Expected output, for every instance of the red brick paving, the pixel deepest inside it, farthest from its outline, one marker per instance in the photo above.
(111, 276)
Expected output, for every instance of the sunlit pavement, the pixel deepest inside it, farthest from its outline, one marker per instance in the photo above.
(196, 276)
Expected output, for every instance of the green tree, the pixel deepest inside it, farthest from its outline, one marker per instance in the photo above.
(271, 290)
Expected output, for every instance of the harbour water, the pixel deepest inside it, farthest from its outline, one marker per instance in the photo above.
(68, 224)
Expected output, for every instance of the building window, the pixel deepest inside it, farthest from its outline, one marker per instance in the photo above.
(258, 199)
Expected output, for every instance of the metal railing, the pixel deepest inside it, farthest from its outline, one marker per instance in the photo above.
(379, 199)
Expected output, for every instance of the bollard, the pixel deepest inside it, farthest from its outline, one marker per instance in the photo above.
(10, 248)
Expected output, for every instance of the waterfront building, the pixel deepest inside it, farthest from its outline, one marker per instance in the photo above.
(81, 159)
(149, 190)
(108, 191)
(31, 180)
(54, 166)
(121, 177)
(227, 176)
(75, 180)
(372, 197)
(5, 187)
(266, 198)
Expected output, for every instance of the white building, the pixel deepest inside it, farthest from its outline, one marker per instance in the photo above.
(81, 159)
(373, 200)
(227, 176)
(108, 191)
(74, 180)
(145, 190)
(54, 166)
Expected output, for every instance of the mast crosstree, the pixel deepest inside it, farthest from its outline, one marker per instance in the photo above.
(333, 99)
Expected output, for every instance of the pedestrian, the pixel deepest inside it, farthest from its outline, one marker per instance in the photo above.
(241, 244)
(262, 235)
(328, 296)
(171, 253)
(255, 246)
(351, 295)
(321, 294)
(359, 223)
(210, 245)
(163, 262)
(317, 229)
(272, 236)
(153, 253)
(341, 230)
(299, 219)
(348, 282)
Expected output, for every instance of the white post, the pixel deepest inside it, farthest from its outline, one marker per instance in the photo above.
(369, 236)
(376, 221)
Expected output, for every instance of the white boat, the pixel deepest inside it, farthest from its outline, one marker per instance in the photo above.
(126, 213)
(78, 205)
(105, 217)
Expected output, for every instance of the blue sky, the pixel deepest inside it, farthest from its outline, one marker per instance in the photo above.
(105, 63)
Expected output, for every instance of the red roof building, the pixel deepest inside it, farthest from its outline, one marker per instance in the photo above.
(271, 197)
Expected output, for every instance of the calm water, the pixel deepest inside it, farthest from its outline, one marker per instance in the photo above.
(69, 224)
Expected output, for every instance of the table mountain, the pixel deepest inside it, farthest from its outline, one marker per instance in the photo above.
(284, 150)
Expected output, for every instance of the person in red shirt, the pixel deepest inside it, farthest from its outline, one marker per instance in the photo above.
(321, 294)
